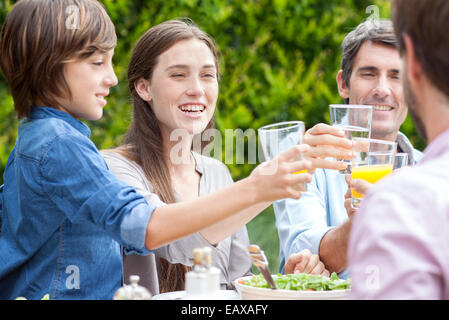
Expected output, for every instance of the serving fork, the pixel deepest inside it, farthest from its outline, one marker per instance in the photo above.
(260, 261)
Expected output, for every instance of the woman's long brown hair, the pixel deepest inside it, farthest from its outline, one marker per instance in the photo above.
(143, 141)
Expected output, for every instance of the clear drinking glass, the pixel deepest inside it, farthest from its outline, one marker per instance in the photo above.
(374, 160)
(354, 120)
(278, 137)
(400, 160)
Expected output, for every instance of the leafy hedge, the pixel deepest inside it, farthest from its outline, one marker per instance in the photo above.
(279, 59)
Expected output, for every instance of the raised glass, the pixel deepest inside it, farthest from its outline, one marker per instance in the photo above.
(374, 160)
(278, 137)
(354, 120)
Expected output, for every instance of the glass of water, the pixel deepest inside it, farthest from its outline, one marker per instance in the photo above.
(278, 137)
(354, 120)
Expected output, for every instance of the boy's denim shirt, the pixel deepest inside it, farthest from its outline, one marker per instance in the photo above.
(64, 215)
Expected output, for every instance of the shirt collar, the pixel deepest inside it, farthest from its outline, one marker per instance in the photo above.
(438, 146)
(404, 145)
(38, 112)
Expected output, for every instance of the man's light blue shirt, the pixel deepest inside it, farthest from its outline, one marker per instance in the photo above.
(302, 223)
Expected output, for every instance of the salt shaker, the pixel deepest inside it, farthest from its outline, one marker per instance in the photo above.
(132, 291)
(203, 282)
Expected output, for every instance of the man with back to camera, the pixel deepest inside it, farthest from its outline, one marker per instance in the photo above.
(408, 258)
(369, 75)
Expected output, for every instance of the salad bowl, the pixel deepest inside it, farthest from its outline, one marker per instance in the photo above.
(293, 287)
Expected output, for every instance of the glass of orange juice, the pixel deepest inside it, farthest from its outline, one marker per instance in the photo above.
(278, 137)
(373, 160)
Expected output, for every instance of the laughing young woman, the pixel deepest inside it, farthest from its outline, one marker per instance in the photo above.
(173, 77)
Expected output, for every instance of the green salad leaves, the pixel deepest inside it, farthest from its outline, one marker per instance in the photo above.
(301, 281)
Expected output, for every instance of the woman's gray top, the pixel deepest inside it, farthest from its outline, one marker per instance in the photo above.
(229, 255)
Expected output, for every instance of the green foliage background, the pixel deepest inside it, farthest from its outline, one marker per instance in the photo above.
(279, 60)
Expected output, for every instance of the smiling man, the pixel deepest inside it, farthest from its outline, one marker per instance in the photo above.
(369, 75)
(375, 80)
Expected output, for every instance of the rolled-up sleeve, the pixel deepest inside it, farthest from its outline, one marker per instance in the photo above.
(300, 226)
(134, 227)
(85, 189)
(301, 223)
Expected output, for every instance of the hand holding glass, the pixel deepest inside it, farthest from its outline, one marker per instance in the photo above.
(354, 120)
(279, 137)
(374, 160)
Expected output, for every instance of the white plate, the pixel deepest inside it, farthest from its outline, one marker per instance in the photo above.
(180, 295)
(254, 293)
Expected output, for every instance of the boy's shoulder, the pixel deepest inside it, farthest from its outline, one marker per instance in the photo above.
(36, 136)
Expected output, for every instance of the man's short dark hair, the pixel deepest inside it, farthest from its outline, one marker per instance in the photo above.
(426, 22)
(379, 31)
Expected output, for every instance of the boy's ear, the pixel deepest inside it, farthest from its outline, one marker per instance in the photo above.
(343, 89)
(142, 87)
